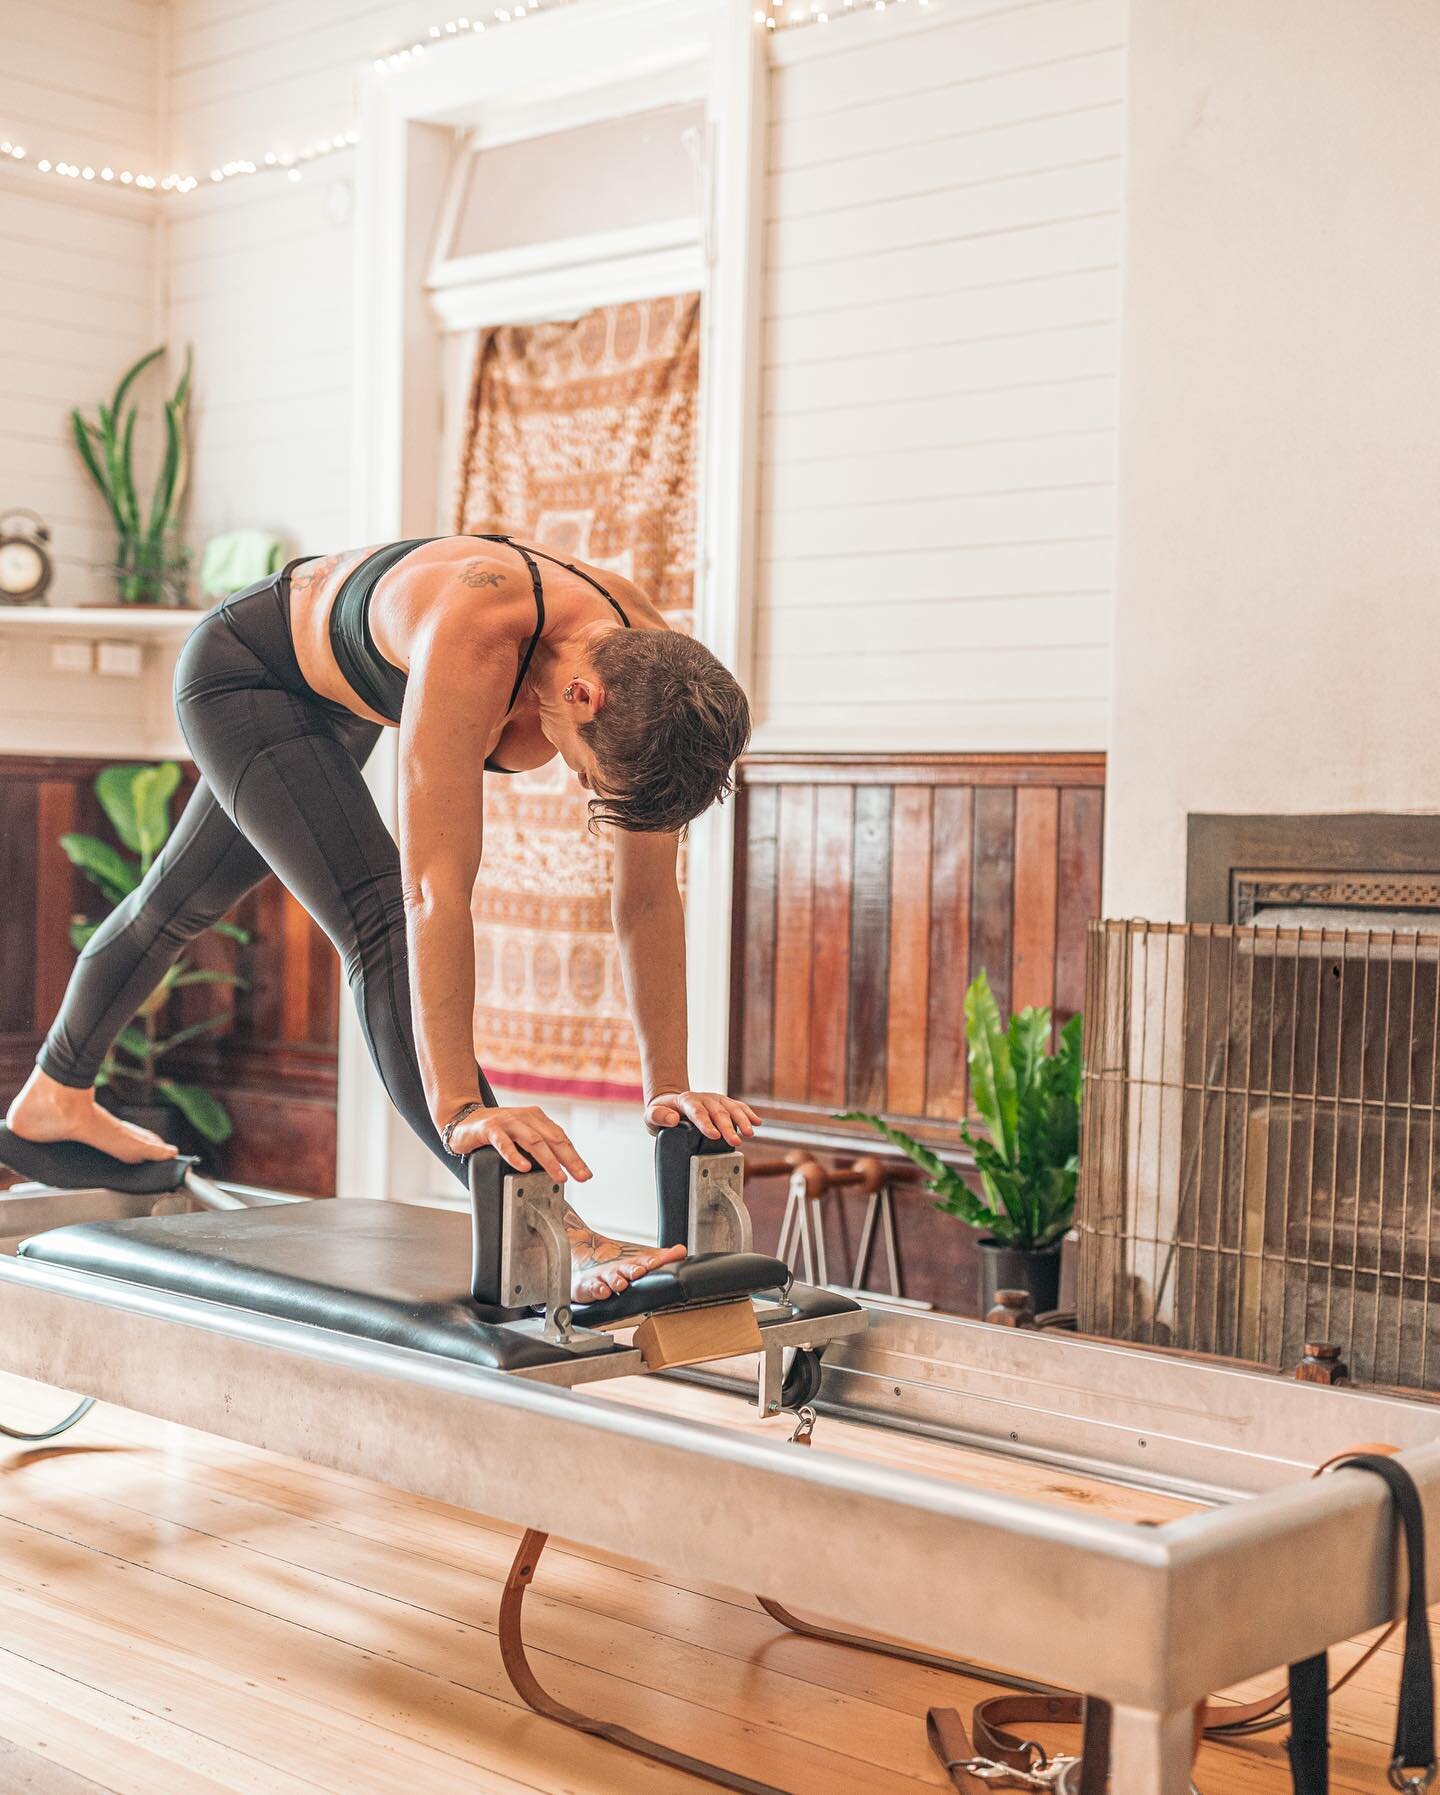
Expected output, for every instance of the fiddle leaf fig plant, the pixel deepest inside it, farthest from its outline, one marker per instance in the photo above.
(1028, 1100)
(136, 801)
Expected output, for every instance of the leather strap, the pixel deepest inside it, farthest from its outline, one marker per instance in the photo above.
(1226, 1719)
(1413, 1763)
(991, 1720)
(951, 1745)
(530, 1690)
(1309, 1742)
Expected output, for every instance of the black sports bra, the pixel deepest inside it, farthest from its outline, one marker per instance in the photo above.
(380, 683)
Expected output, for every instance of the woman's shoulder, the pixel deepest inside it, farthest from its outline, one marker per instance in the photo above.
(633, 600)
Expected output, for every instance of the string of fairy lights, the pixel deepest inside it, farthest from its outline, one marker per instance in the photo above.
(770, 15)
(786, 15)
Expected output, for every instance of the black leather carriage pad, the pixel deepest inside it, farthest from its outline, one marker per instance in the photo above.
(702, 1278)
(384, 1271)
(70, 1165)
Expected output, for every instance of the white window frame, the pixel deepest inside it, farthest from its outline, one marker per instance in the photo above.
(563, 277)
(595, 58)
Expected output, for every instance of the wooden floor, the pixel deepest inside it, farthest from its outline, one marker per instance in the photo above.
(179, 1615)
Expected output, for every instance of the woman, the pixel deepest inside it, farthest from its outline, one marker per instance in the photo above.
(481, 661)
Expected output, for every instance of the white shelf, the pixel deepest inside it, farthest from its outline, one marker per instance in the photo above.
(112, 622)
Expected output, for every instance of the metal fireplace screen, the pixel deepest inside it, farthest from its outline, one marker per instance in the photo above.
(1260, 1144)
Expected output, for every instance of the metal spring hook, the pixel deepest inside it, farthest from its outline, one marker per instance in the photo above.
(1045, 1775)
(804, 1426)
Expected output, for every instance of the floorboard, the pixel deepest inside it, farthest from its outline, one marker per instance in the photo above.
(182, 1613)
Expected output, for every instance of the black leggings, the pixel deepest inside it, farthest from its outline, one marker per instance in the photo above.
(282, 791)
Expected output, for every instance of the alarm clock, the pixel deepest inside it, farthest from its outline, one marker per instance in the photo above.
(25, 565)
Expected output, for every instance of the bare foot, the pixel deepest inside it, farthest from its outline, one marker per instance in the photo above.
(603, 1267)
(46, 1111)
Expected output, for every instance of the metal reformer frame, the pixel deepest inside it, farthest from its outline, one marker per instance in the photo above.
(1151, 1619)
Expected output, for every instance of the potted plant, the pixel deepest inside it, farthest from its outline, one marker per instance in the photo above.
(149, 562)
(1028, 1100)
(136, 799)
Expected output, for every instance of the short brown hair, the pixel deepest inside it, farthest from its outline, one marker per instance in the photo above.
(673, 724)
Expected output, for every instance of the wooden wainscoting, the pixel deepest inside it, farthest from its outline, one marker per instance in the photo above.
(273, 1064)
(868, 892)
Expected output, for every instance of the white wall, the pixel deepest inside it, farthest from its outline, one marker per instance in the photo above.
(940, 297)
(259, 271)
(1278, 627)
(941, 345)
(78, 293)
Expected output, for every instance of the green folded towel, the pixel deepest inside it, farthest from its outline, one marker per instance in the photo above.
(238, 559)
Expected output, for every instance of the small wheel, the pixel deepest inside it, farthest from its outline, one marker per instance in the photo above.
(802, 1380)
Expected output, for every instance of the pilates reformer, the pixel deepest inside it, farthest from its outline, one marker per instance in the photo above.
(392, 1272)
(343, 1333)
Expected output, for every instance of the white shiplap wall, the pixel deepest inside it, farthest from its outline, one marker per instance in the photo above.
(80, 80)
(259, 273)
(938, 431)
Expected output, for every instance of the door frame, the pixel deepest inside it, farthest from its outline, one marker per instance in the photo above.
(546, 74)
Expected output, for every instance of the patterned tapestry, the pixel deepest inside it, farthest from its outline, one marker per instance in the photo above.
(580, 439)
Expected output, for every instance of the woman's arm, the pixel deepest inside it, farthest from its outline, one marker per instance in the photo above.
(650, 929)
(451, 712)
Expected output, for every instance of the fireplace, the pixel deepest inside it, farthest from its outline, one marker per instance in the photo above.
(1260, 1145)
(1355, 870)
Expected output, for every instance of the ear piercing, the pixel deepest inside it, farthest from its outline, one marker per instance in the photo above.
(569, 693)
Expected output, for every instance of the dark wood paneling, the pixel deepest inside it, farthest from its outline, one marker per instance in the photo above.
(871, 889)
(756, 962)
(952, 836)
(794, 902)
(273, 1064)
(870, 948)
(925, 769)
(1037, 843)
(18, 808)
(1077, 895)
(992, 893)
(830, 974)
(908, 999)
(55, 809)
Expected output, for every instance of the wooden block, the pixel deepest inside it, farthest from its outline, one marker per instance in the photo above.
(686, 1336)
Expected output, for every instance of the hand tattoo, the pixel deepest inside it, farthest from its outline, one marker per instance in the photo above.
(473, 574)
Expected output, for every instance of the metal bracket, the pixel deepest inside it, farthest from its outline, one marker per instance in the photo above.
(535, 1249)
(772, 1378)
(719, 1221)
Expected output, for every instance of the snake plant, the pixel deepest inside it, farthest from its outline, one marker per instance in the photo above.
(147, 560)
(136, 799)
(1029, 1102)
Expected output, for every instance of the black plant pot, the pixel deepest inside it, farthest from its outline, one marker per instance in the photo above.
(1036, 1269)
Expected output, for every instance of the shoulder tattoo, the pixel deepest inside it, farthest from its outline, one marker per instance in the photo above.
(473, 573)
(315, 572)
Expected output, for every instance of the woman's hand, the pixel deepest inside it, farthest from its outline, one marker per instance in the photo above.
(521, 1136)
(715, 1115)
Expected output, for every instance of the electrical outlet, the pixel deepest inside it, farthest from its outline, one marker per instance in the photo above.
(71, 657)
(121, 660)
